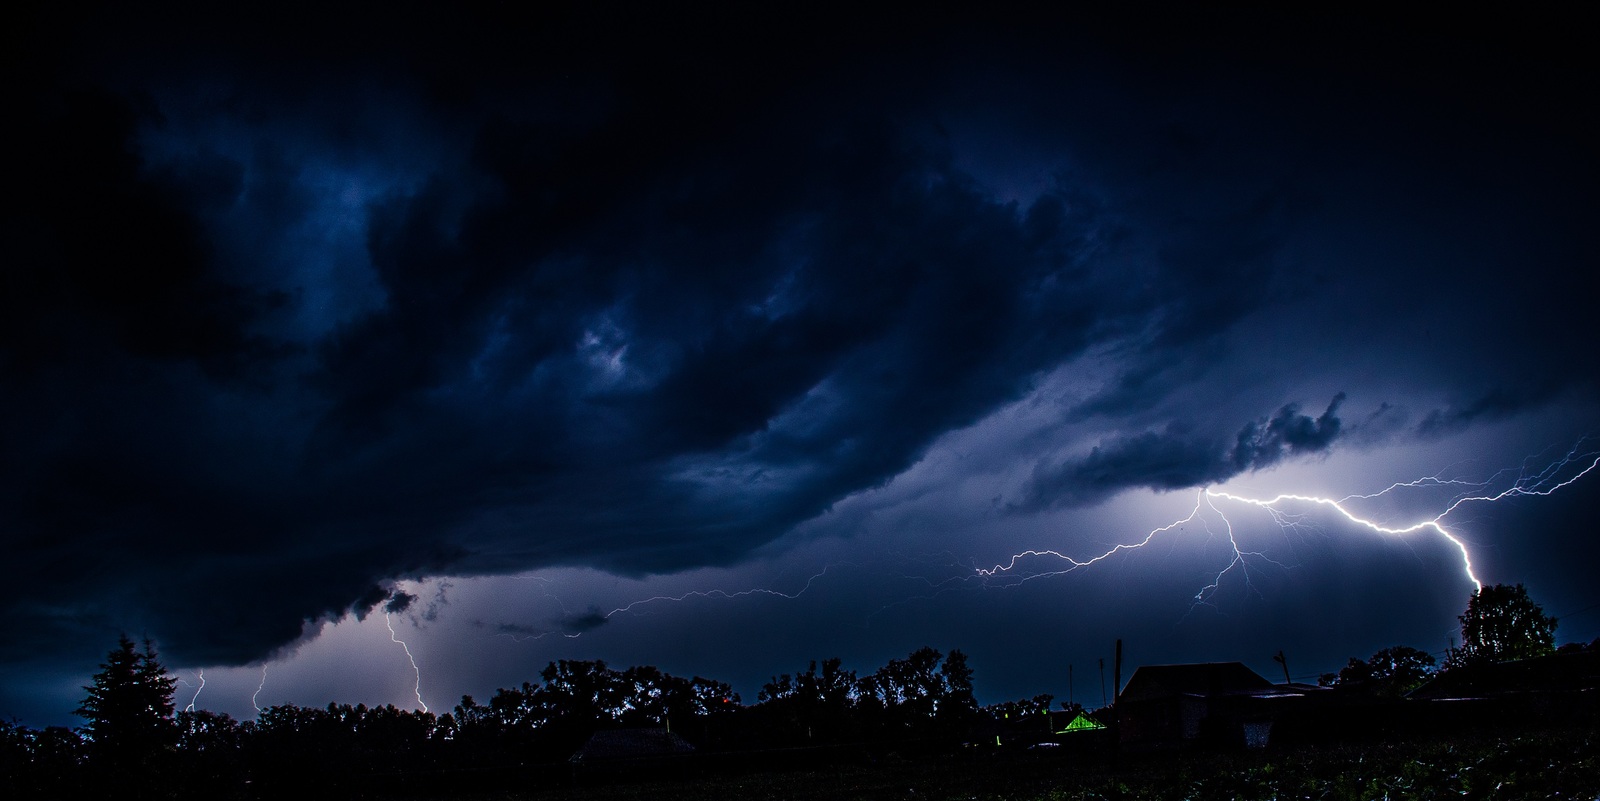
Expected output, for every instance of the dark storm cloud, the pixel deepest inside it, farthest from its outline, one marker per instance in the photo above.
(1496, 404)
(588, 621)
(568, 625)
(1179, 458)
(458, 296)
(105, 264)
(399, 601)
(647, 339)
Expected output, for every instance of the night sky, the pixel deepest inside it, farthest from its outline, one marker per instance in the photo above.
(723, 342)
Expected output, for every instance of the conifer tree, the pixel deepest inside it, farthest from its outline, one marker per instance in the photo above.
(129, 706)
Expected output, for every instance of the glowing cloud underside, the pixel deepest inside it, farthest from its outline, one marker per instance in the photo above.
(1285, 508)
(1441, 497)
(1562, 472)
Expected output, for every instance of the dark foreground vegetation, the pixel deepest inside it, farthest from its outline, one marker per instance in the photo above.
(1494, 762)
(1505, 717)
(1546, 764)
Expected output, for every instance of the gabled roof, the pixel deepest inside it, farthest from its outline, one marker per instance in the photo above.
(1205, 680)
(631, 744)
(1082, 723)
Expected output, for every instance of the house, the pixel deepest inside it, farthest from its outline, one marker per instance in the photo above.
(1215, 703)
(1558, 688)
(1081, 723)
(630, 744)
(1556, 674)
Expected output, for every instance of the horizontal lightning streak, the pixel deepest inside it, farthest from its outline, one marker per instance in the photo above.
(722, 594)
(1574, 464)
(1541, 483)
(631, 608)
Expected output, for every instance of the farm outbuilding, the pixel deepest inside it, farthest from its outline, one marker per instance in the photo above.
(1214, 703)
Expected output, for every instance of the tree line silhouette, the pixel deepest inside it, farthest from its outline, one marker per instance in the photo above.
(134, 738)
(134, 743)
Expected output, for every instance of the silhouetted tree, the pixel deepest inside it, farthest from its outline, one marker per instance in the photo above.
(211, 747)
(920, 694)
(578, 698)
(958, 705)
(1501, 624)
(712, 697)
(1391, 672)
(39, 764)
(812, 706)
(1034, 707)
(512, 709)
(129, 710)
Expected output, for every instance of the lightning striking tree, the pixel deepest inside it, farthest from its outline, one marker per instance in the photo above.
(1501, 624)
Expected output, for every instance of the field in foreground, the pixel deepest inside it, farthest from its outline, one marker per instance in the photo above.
(1553, 764)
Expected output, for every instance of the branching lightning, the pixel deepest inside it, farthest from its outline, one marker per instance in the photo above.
(417, 689)
(1576, 463)
(1210, 512)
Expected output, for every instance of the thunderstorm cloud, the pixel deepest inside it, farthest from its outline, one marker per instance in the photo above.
(1179, 459)
(475, 297)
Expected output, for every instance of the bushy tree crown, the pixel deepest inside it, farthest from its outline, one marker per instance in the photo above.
(1501, 624)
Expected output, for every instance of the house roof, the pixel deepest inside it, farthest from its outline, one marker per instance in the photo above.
(631, 744)
(1082, 723)
(1151, 682)
(1554, 673)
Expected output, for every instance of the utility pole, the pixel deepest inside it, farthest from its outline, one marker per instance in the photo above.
(1116, 693)
(1285, 662)
(1103, 703)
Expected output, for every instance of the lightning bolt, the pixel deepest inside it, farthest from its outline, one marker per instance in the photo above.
(1562, 472)
(417, 689)
(724, 595)
(633, 607)
(202, 674)
(257, 693)
(525, 636)
(1210, 513)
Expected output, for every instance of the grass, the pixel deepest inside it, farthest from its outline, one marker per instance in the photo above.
(1554, 764)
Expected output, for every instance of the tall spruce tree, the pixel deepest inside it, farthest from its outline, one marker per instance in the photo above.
(129, 707)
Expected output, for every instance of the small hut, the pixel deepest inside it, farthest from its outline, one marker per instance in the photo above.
(620, 745)
(1221, 703)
